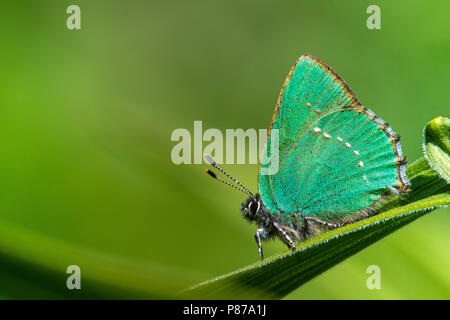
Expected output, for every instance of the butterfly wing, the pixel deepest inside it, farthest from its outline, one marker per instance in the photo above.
(335, 156)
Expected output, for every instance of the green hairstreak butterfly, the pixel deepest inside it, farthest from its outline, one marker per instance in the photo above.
(337, 159)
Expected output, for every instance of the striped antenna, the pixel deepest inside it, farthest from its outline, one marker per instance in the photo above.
(212, 174)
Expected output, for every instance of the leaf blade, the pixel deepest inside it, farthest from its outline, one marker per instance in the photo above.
(279, 275)
(437, 146)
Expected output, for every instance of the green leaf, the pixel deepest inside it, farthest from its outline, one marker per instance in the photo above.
(437, 146)
(277, 276)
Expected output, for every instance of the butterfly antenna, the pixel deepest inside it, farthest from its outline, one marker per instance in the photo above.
(212, 174)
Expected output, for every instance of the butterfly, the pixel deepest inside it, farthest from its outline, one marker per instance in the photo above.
(337, 161)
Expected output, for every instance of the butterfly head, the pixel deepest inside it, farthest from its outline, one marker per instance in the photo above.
(251, 207)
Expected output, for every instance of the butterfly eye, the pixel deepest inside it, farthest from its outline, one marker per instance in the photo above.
(254, 207)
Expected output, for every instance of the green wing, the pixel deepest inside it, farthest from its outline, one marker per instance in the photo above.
(335, 156)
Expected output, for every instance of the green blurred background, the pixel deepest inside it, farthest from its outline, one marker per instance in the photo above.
(87, 115)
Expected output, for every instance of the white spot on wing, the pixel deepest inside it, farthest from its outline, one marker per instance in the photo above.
(370, 113)
(403, 175)
(399, 149)
(390, 131)
(394, 191)
(379, 121)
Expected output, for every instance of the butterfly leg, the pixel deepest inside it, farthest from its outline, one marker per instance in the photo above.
(289, 242)
(323, 223)
(260, 233)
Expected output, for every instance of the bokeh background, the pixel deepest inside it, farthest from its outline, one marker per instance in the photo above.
(86, 118)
